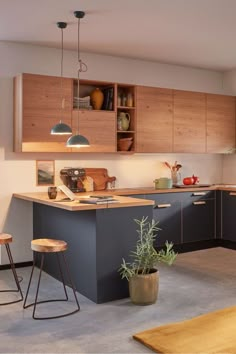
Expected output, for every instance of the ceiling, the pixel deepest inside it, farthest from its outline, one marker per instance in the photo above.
(196, 33)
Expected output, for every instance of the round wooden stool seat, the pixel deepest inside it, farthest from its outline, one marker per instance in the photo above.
(5, 238)
(48, 245)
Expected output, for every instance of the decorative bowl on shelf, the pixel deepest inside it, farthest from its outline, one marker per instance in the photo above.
(124, 144)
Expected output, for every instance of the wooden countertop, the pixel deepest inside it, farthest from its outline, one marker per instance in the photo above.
(151, 190)
(124, 200)
(42, 197)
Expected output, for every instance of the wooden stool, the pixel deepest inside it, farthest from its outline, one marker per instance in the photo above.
(42, 246)
(5, 239)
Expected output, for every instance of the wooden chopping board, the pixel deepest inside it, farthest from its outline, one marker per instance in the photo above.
(100, 178)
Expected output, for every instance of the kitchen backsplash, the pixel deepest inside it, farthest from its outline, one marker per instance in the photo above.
(140, 170)
(229, 169)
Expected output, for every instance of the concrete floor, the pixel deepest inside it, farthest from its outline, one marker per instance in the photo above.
(199, 282)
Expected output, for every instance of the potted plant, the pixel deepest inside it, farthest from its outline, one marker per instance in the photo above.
(141, 272)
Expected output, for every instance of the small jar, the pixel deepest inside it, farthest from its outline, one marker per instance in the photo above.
(119, 100)
(124, 101)
(129, 100)
(52, 192)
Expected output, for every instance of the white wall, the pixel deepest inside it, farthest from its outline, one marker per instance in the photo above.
(18, 170)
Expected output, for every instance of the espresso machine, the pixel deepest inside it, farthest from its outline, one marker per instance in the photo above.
(73, 178)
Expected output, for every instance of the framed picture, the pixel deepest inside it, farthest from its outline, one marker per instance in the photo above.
(45, 173)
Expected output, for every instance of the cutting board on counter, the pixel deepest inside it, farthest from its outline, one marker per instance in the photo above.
(100, 178)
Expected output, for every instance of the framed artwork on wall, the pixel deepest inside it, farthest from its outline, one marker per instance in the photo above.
(45, 173)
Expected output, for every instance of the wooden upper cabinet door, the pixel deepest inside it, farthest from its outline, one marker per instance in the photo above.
(220, 123)
(46, 100)
(154, 119)
(40, 103)
(99, 127)
(189, 121)
(47, 92)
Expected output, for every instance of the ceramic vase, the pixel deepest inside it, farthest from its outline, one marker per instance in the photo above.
(176, 177)
(97, 98)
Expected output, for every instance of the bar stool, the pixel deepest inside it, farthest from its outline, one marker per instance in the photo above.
(42, 246)
(5, 239)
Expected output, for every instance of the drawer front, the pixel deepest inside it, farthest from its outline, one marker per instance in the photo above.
(140, 196)
(165, 197)
(167, 211)
(199, 195)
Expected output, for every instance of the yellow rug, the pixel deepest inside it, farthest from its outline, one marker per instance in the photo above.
(212, 333)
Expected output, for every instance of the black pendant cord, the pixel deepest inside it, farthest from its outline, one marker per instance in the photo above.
(62, 59)
(62, 25)
(82, 67)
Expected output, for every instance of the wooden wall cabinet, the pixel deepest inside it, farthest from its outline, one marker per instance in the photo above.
(220, 123)
(98, 127)
(161, 120)
(189, 122)
(154, 119)
(126, 103)
(37, 108)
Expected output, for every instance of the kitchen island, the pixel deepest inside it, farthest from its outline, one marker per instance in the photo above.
(98, 237)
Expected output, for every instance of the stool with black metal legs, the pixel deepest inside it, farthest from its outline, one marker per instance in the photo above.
(42, 246)
(5, 239)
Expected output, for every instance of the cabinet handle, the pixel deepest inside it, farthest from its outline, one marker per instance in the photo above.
(199, 203)
(232, 193)
(199, 193)
(158, 206)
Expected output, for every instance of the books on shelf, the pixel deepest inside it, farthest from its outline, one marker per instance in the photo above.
(108, 98)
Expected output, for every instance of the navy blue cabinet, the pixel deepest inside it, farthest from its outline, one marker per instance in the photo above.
(167, 211)
(228, 212)
(198, 209)
(185, 216)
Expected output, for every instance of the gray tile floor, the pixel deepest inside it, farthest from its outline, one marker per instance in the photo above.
(199, 282)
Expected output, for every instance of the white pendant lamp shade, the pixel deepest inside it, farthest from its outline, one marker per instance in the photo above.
(61, 128)
(78, 140)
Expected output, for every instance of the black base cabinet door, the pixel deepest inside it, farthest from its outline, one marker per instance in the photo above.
(167, 211)
(229, 216)
(198, 218)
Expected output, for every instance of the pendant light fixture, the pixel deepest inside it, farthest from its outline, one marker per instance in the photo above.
(61, 128)
(78, 140)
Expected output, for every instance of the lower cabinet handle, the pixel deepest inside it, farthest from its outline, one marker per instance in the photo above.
(199, 203)
(199, 193)
(232, 193)
(158, 206)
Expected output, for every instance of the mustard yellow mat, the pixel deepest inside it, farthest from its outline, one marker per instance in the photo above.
(212, 333)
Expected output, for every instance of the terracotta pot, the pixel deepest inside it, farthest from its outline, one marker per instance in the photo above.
(97, 98)
(143, 288)
(124, 144)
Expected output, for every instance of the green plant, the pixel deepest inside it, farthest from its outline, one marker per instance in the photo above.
(145, 257)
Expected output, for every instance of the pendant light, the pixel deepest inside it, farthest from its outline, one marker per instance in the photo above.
(61, 128)
(78, 140)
